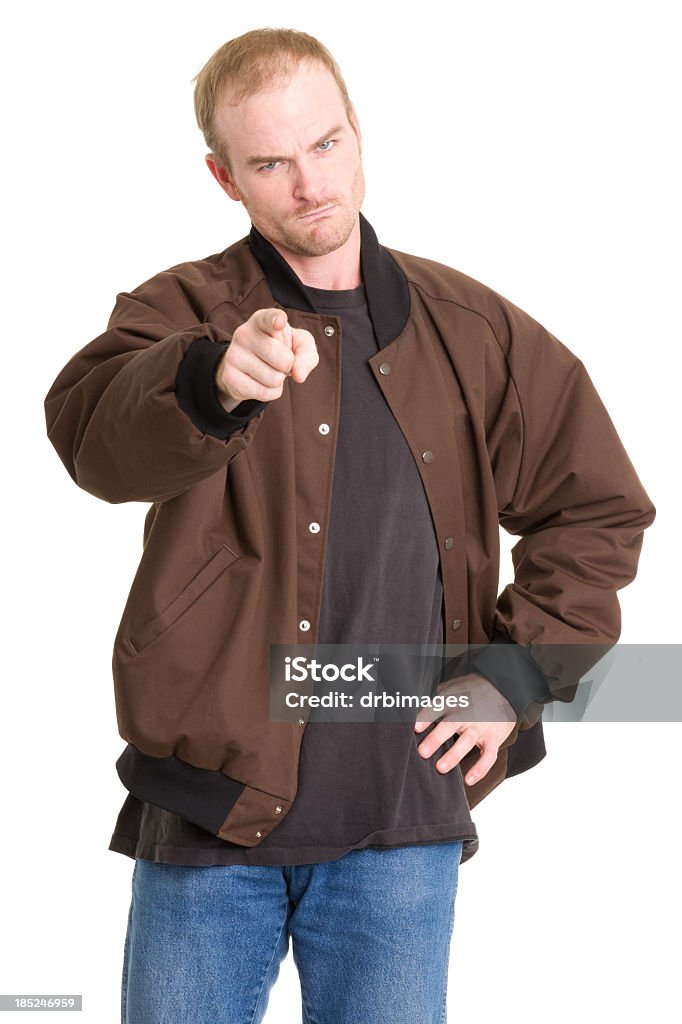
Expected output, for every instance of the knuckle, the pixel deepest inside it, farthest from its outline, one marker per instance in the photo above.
(269, 392)
(241, 339)
(270, 349)
(279, 356)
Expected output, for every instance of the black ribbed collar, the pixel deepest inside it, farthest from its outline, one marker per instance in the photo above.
(388, 295)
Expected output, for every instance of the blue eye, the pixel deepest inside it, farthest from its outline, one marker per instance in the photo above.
(270, 166)
(329, 143)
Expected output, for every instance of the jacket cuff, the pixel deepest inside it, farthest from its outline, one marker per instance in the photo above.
(512, 670)
(197, 392)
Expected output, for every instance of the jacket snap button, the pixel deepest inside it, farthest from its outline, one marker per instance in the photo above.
(456, 623)
(323, 428)
(385, 368)
(427, 456)
(449, 542)
(304, 624)
(278, 810)
(329, 331)
(301, 721)
(314, 527)
(258, 835)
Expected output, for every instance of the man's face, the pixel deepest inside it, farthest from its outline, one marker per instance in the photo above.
(295, 161)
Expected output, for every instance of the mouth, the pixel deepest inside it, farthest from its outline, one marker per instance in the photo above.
(319, 213)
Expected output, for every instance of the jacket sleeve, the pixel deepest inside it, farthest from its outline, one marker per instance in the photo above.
(135, 415)
(566, 487)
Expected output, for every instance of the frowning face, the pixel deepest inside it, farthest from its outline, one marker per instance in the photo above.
(295, 161)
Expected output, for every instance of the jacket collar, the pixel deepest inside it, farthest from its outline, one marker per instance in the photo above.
(388, 295)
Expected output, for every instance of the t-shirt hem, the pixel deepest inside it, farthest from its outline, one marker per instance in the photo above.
(282, 856)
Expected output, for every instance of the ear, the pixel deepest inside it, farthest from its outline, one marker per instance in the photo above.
(355, 124)
(222, 176)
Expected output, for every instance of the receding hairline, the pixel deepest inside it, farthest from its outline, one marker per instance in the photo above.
(252, 63)
(232, 93)
(234, 98)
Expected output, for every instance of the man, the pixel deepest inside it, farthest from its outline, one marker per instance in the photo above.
(328, 434)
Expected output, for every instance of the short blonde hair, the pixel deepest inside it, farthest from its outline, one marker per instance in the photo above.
(249, 63)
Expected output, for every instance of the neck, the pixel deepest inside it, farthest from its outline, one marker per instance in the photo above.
(336, 270)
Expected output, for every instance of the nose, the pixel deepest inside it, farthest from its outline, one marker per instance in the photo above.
(309, 185)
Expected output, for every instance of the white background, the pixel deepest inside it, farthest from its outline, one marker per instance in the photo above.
(531, 145)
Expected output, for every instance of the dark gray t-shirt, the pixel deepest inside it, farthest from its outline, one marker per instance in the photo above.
(360, 783)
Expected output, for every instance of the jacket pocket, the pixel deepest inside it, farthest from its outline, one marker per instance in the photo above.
(198, 585)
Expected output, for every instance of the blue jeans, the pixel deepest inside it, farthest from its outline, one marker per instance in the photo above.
(370, 937)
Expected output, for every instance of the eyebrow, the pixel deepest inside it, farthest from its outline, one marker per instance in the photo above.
(252, 161)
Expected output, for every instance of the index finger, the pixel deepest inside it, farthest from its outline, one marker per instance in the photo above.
(305, 352)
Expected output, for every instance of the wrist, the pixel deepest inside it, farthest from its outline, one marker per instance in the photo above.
(227, 401)
(225, 397)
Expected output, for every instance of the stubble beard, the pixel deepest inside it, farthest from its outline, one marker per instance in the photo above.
(324, 236)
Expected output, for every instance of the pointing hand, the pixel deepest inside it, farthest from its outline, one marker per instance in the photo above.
(263, 352)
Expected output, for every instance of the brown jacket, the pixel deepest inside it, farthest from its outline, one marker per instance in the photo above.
(505, 427)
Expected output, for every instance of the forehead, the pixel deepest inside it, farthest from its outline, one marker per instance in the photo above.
(291, 111)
